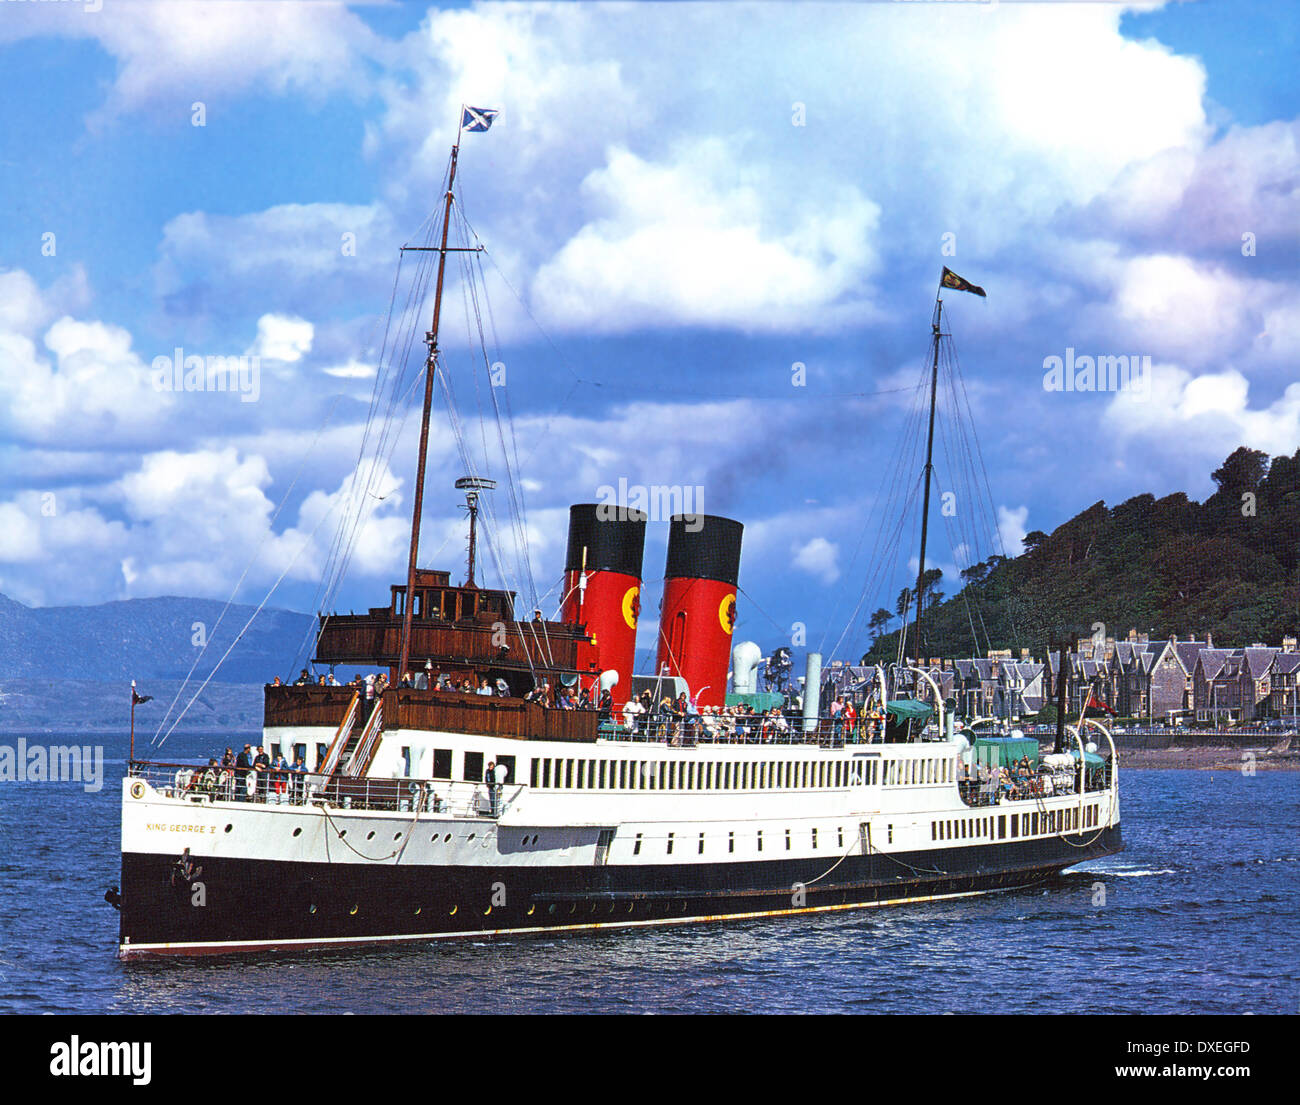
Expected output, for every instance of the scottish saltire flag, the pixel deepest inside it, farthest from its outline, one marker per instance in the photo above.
(478, 118)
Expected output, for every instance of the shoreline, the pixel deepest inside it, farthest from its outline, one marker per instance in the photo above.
(1222, 758)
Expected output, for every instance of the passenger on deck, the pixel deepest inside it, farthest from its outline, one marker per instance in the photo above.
(279, 777)
(484, 688)
(298, 778)
(632, 710)
(304, 679)
(243, 766)
(205, 781)
(261, 771)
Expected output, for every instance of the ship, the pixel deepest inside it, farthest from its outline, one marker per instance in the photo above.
(512, 773)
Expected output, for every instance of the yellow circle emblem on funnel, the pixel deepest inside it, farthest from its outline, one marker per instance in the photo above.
(632, 606)
(727, 614)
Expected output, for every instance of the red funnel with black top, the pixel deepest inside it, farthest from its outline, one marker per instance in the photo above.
(699, 604)
(606, 545)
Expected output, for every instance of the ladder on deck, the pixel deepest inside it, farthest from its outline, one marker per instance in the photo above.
(342, 738)
(366, 747)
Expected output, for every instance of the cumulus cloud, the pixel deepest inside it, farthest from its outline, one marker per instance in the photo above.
(819, 558)
(687, 243)
(282, 338)
(169, 54)
(1011, 529)
(1208, 414)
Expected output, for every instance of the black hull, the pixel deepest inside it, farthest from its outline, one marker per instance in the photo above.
(251, 905)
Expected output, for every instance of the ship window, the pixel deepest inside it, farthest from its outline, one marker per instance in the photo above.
(701, 844)
(840, 835)
(1002, 827)
(322, 750)
(508, 762)
(787, 840)
(934, 830)
(474, 767)
(601, 775)
(442, 763)
(760, 840)
(670, 843)
(622, 775)
(546, 772)
(731, 842)
(636, 846)
(534, 772)
(890, 831)
(567, 779)
(814, 838)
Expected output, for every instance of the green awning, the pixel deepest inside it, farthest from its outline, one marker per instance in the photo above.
(760, 701)
(909, 709)
(1005, 751)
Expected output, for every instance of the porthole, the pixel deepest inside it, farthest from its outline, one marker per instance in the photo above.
(531, 910)
(453, 909)
(353, 911)
(370, 835)
(418, 910)
(487, 911)
(471, 836)
(311, 908)
(446, 839)
(298, 831)
(229, 827)
(550, 908)
(573, 907)
(397, 836)
(342, 833)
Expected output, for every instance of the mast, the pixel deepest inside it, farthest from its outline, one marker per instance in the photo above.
(430, 370)
(929, 468)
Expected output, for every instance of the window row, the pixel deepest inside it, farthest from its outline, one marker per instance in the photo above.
(592, 774)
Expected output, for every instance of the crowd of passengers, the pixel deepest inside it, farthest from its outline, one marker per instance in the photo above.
(678, 719)
(252, 775)
(674, 718)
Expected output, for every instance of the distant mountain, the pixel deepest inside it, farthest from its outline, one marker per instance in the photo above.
(1228, 566)
(147, 639)
(88, 706)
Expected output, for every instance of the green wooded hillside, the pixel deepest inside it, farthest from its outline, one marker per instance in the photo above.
(1227, 566)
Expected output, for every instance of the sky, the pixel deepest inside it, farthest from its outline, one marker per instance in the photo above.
(713, 235)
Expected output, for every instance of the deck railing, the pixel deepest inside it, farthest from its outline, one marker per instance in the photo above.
(195, 783)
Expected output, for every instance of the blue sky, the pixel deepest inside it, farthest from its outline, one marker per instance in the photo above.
(677, 243)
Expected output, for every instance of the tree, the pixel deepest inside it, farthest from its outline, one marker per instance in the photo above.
(904, 601)
(879, 623)
(1244, 470)
(1033, 539)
